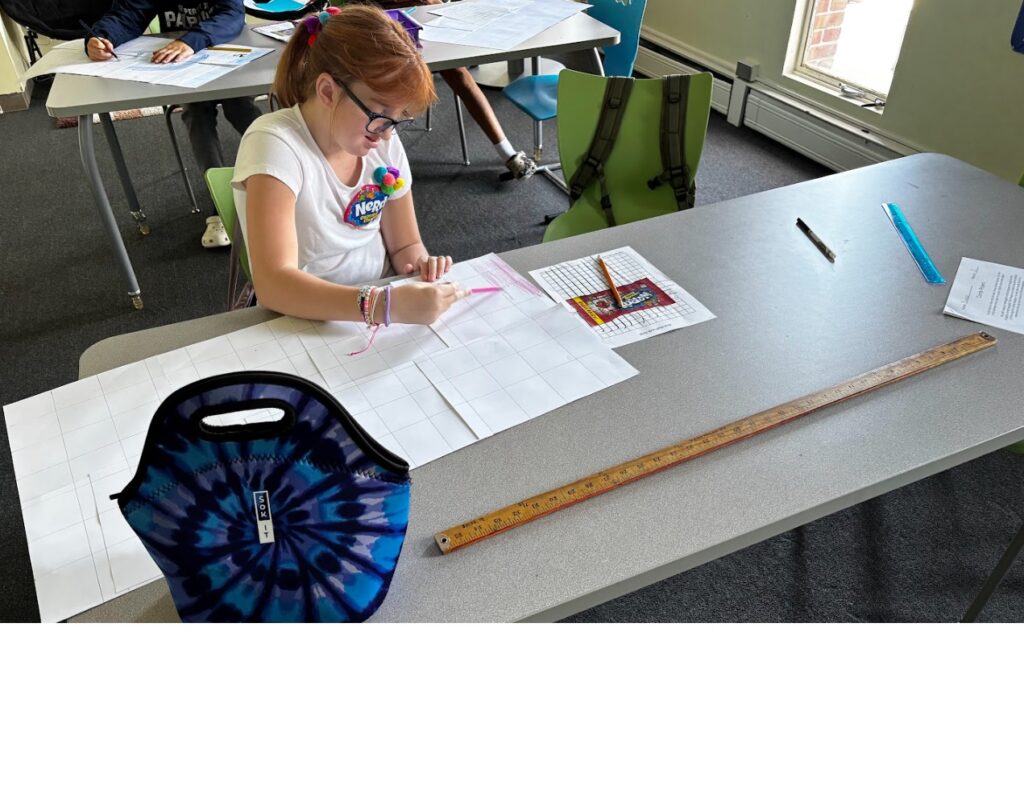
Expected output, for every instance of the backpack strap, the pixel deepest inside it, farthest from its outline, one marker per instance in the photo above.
(673, 137)
(613, 109)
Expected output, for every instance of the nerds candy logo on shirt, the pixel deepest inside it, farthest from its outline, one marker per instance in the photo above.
(366, 206)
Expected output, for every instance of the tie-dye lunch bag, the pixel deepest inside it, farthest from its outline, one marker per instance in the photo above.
(261, 499)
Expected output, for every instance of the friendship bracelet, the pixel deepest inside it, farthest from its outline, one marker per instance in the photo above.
(369, 296)
(371, 302)
(374, 298)
(361, 300)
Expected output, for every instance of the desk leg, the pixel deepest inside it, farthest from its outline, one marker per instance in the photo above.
(995, 577)
(86, 146)
(122, 171)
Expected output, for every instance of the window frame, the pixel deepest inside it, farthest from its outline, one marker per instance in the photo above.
(844, 88)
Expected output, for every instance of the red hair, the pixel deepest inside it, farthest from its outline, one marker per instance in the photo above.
(358, 43)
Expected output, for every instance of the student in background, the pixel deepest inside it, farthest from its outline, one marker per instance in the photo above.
(465, 87)
(204, 24)
(322, 185)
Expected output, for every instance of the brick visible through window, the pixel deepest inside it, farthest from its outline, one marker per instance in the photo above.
(856, 42)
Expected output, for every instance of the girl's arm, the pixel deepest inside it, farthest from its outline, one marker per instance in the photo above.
(405, 247)
(282, 286)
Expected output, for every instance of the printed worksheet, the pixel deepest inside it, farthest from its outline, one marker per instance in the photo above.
(494, 24)
(652, 303)
(988, 293)
(134, 62)
(281, 31)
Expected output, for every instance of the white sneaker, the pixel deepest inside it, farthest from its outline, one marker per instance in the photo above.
(215, 236)
(521, 166)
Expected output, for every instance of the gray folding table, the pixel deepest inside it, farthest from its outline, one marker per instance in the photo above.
(788, 323)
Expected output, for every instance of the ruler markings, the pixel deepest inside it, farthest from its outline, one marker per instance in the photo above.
(538, 506)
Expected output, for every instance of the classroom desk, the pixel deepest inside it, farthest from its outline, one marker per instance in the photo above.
(788, 323)
(82, 96)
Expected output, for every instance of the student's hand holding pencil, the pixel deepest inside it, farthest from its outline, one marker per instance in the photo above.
(98, 49)
(423, 303)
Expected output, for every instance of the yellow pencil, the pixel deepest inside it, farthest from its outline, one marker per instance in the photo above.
(611, 282)
(225, 47)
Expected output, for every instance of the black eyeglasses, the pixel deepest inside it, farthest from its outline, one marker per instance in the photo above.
(377, 123)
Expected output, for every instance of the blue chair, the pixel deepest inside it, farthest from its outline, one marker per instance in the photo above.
(537, 95)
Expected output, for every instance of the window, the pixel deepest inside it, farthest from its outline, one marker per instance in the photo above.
(853, 45)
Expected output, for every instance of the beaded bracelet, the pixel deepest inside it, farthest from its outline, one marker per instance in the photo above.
(364, 293)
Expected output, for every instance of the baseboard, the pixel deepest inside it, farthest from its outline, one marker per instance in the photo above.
(653, 63)
(830, 143)
(813, 132)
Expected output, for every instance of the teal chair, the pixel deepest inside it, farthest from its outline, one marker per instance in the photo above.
(218, 180)
(537, 95)
(636, 155)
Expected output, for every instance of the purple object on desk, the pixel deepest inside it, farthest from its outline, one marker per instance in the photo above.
(411, 26)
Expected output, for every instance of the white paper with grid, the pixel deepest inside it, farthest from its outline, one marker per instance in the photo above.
(74, 446)
(577, 278)
(523, 371)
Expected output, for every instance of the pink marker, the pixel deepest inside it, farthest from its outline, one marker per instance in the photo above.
(484, 289)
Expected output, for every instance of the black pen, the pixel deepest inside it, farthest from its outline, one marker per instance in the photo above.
(828, 253)
(92, 34)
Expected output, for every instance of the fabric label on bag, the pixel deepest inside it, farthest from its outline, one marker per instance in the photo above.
(264, 521)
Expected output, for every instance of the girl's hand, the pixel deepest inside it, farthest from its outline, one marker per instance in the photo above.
(422, 303)
(430, 268)
(99, 50)
(176, 51)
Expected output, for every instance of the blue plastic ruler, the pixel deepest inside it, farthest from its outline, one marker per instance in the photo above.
(913, 244)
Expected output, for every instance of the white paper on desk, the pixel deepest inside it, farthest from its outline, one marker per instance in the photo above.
(988, 293)
(134, 63)
(75, 445)
(574, 282)
(481, 315)
(477, 13)
(70, 57)
(227, 57)
(497, 24)
(57, 58)
(524, 370)
(281, 31)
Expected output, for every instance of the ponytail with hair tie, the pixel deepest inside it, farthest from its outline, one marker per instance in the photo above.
(315, 23)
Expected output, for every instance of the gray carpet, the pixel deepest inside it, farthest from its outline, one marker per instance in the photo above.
(917, 554)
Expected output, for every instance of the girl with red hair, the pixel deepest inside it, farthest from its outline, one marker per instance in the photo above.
(323, 187)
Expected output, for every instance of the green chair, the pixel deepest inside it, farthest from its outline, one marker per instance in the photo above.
(218, 180)
(636, 156)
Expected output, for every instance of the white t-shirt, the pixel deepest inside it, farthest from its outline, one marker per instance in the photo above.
(280, 145)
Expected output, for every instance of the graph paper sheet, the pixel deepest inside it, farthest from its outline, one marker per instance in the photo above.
(653, 303)
(525, 370)
(72, 447)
